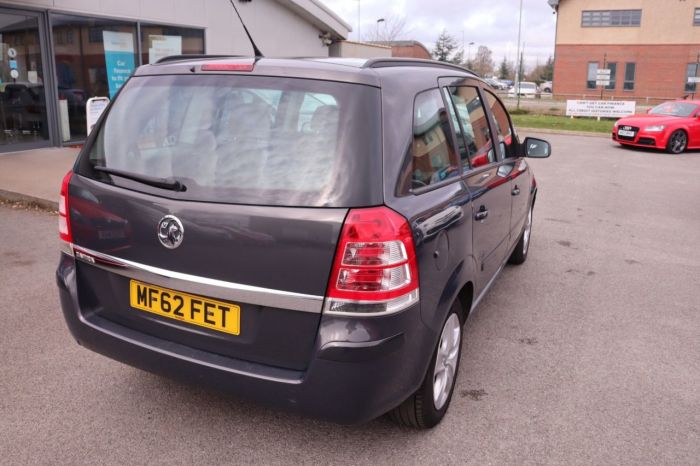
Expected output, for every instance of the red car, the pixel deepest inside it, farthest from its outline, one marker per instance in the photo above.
(672, 126)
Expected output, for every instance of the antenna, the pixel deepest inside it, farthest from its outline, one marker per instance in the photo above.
(256, 50)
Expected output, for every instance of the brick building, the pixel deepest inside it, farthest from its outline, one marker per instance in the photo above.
(651, 47)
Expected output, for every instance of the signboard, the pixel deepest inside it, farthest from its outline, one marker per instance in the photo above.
(93, 109)
(603, 72)
(119, 58)
(693, 80)
(163, 46)
(600, 108)
(603, 82)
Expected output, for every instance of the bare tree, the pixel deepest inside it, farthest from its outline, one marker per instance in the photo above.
(483, 62)
(390, 29)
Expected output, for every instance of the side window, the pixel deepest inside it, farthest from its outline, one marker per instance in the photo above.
(475, 125)
(432, 152)
(461, 140)
(505, 132)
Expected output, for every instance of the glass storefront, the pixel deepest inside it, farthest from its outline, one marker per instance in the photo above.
(51, 63)
(23, 112)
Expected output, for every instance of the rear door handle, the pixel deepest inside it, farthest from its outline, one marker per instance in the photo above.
(481, 214)
(515, 191)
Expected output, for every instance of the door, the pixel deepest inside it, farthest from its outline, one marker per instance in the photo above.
(23, 109)
(487, 181)
(516, 168)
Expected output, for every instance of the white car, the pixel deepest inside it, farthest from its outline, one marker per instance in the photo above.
(546, 87)
(525, 89)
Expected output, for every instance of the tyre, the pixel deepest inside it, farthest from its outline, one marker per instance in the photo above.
(677, 143)
(428, 405)
(519, 254)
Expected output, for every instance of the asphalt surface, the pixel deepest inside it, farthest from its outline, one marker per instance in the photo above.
(589, 353)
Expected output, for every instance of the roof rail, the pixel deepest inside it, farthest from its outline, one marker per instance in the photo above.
(196, 57)
(390, 62)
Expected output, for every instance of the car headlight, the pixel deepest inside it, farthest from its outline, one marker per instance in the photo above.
(617, 123)
(654, 128)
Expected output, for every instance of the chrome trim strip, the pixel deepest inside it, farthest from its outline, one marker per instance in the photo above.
(209, 287)
(486, 288)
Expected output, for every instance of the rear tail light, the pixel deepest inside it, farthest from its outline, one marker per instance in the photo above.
(375, 269)
(228, 66)
(64, 229)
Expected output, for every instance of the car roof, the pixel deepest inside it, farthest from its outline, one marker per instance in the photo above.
(352, 70)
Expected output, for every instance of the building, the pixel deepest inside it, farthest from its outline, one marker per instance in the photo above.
(407, 48)
(56, 54)
(651, 48)
(352, 49)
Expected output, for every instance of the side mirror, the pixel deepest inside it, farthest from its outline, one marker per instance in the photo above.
(649, 109)
(537, 148)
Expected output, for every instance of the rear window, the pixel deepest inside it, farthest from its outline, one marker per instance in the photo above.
(246, 139)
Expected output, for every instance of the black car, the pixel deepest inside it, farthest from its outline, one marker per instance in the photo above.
(311, 233)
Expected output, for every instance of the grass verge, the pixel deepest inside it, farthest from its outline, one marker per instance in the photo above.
(563, 123)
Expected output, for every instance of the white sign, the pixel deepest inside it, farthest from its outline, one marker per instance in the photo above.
(163, 46)
(603, 72)
(693, 80)
(600, 108)
(93, 109)
(602, 82)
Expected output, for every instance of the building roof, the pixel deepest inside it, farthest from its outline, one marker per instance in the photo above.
(320, 16)
(554, 3)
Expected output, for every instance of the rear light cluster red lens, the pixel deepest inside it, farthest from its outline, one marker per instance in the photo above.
(375, 268)
(64, 230)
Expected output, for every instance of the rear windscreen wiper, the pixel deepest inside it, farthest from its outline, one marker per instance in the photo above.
(164, 183)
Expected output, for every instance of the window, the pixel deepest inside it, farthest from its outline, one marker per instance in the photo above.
(696, 17)
(95, 62)
(160, 41)
(432, 151)
(238, 138)
(505, 133)
(592, 72)
(461, 140)
(613, 76)
(611, 18)
(630, 71)
(475, 125)
(691, 72)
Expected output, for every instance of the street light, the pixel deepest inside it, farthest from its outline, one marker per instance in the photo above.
(469, 53)
(380, 20)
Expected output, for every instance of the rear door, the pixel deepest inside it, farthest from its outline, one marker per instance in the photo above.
(487, 180)
(266, 170)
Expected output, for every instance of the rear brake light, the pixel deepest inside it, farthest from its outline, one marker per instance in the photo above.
(228, 67)
(64, 229)
(375, 268)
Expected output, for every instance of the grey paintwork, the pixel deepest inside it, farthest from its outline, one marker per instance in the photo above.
(298, 360)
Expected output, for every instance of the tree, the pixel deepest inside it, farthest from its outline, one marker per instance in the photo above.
(506, 70)
(548, 72)
(391, 29)
(541, 73)
(445, 47)
(458, 58)
(483, 62)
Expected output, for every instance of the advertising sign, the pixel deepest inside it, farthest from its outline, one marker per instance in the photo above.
(163, 46)
(119, 58)
(93, 109)
(600, 108)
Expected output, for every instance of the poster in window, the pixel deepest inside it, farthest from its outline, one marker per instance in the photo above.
(119, 58)
(163, 46)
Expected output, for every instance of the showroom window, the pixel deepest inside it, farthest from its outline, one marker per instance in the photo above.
(160, 41)
(94, 57)
(630, 72)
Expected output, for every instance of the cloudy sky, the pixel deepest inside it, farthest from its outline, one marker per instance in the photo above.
(493, 23)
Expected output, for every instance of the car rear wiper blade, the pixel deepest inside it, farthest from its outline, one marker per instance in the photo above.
(164, 183)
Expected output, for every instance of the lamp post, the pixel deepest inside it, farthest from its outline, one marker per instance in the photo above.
(519, 56)
(380, 20)
(469, 51)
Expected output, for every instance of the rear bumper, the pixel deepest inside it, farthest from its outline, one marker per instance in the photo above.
(360, 368)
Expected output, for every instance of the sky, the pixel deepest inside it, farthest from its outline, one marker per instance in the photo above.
(493, 23)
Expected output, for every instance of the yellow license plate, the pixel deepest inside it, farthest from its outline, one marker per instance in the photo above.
(196, 310)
